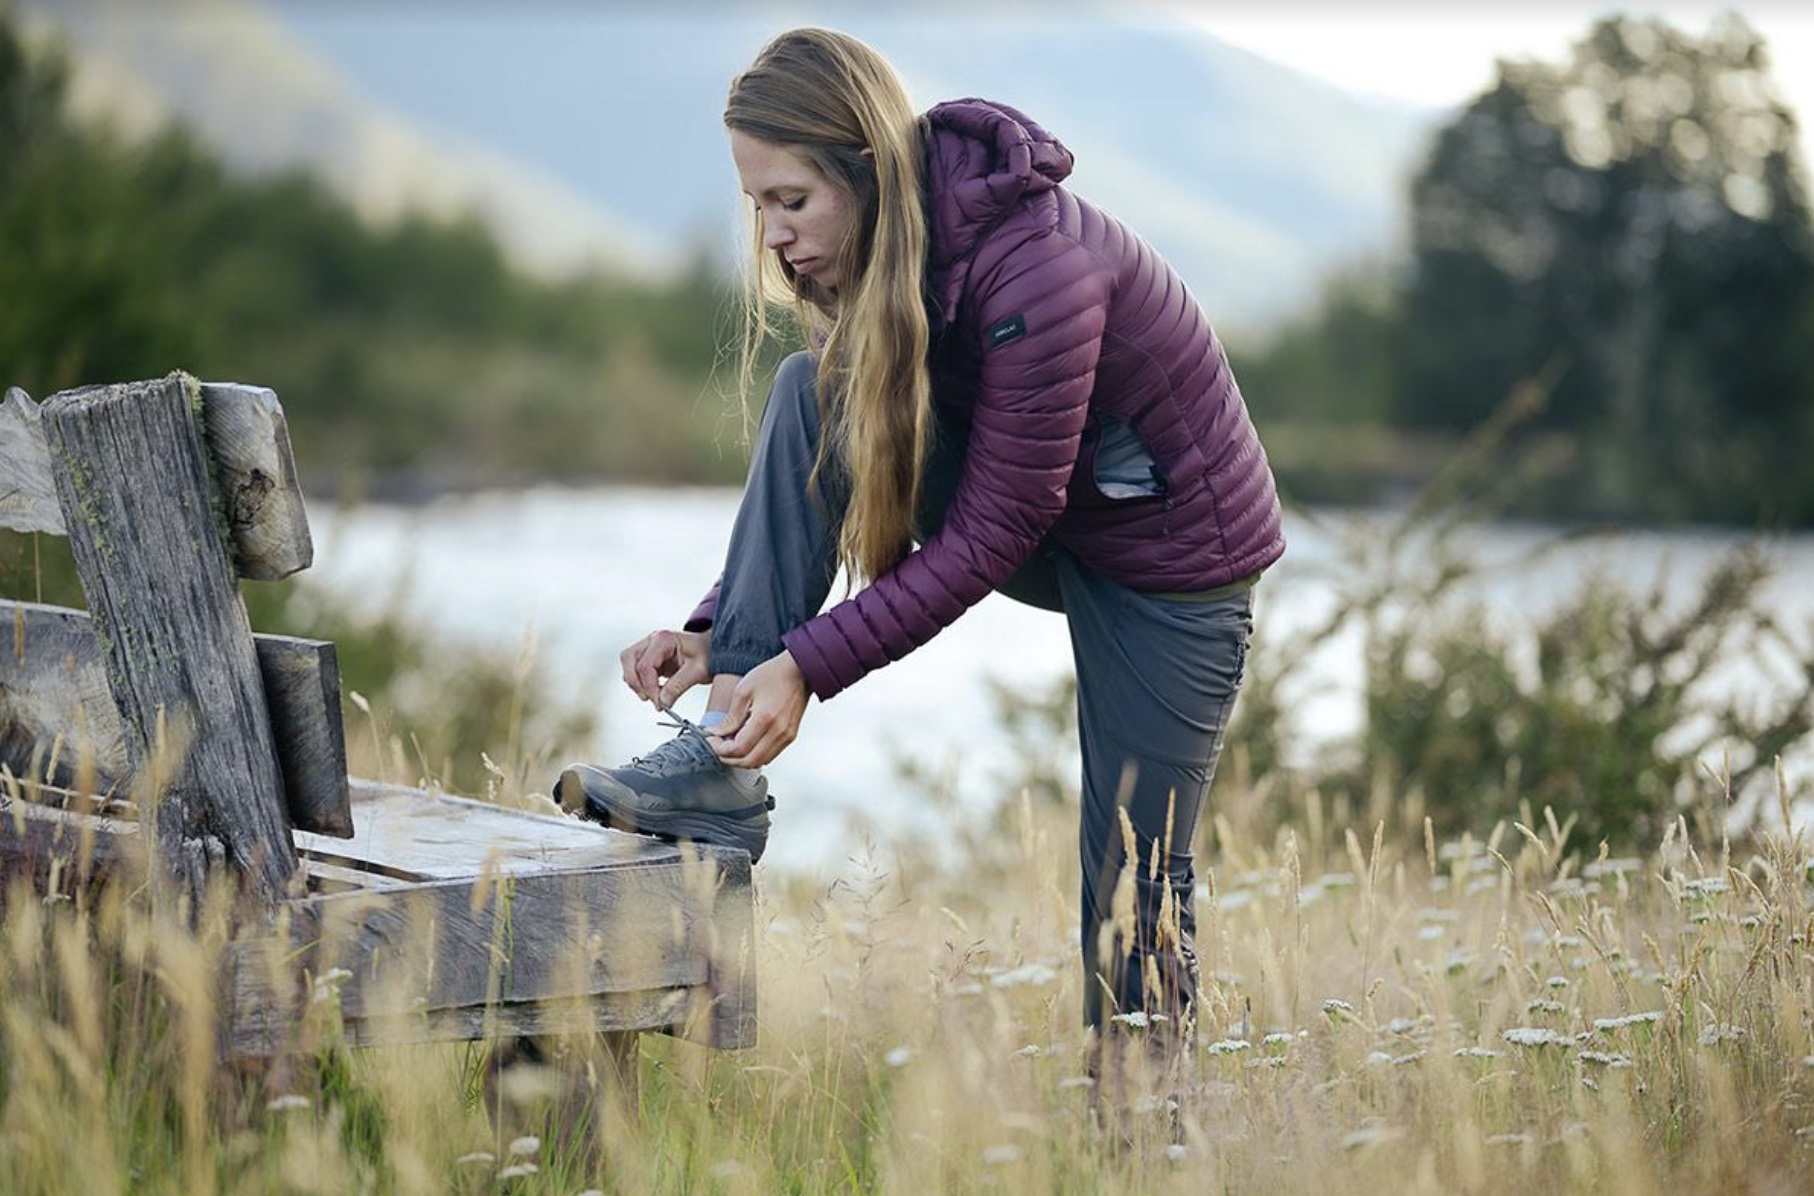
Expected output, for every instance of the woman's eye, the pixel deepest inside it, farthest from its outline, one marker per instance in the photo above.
(793, 205)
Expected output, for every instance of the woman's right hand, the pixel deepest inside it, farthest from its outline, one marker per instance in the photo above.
(662, 665)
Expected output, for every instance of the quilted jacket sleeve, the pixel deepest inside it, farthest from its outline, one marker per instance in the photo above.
(1034, 397)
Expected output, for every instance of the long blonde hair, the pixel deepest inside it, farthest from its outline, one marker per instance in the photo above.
(840, 105)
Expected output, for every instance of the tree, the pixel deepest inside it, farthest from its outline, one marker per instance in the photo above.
(1639, 213)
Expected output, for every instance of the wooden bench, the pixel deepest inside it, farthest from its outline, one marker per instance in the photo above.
(158, 732)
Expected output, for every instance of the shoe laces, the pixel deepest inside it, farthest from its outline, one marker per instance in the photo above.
(688, 751)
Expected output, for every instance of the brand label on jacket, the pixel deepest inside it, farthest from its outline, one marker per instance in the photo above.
(1003, 331)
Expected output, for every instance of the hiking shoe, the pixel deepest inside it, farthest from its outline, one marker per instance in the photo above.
(681, 790)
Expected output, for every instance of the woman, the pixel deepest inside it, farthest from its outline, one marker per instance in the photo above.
(1008, 378)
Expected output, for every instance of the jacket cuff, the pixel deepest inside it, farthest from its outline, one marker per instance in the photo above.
(821, 679)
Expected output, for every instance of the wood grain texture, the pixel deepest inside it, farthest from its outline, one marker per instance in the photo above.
(132, 479)
(252, 470)
(57, 715)
(255, 476)
(53, 684)
(428, 835)
(492, 920)
(302, 693)
(28, 496)
(434, 948)
(61, 850)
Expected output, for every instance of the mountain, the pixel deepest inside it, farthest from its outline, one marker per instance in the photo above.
(592, 130)
(233, 73)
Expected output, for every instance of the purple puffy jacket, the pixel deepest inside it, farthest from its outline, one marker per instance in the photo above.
(1054, 318)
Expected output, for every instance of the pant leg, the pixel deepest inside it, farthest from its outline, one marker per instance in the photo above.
(1156, 683)
(783, 555)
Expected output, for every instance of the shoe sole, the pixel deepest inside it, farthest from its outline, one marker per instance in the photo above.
(748, 832)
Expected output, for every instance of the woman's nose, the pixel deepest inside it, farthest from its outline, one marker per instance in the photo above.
(776, 233)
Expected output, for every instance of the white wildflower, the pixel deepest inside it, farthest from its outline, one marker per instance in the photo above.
(1720, 1032)
(1535, 1036)
(1510, 1140)
(327, 986)
(1338, 1010)
(477, 1156)
(1030, 1051)
(1278, 1038)
(1177, 1152)
(899, 1057)
(1544, 1006)
(288, 1101)
(1402, 1060)
(1229, 1046)
(1139, 1019)
(1630, 1019)
(518, 1171)
(1557, 982)
(1706, 886)
(1430, 934)
(527, 1144)
(1005, 1155)
(1605, 1059)
(1378, 1059)
(727, 1169)
(1070, 1082)
(1476, 1052)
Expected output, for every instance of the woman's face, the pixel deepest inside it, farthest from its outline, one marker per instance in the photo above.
(805, 218)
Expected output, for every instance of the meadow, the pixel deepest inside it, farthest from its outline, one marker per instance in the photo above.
(1468, 1015)
(1418, 975)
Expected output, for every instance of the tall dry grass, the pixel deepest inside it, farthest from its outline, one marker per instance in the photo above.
(1470, 1016)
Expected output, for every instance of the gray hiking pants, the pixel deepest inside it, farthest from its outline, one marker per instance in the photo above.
(1156, 681)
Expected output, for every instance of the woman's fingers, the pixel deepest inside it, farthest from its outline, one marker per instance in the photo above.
(764, 716)
(662, 665)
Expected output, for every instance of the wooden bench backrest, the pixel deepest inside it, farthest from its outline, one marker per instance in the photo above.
(169, 491)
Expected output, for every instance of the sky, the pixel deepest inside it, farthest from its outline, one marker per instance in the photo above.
(1443, 54)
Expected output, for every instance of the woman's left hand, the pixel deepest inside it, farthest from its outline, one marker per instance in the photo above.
(765, 713)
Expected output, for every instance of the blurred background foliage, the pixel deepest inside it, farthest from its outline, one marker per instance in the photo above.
(1616, 250)
(1635, 219)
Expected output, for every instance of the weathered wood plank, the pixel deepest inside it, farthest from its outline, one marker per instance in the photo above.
(28, 498)
(132, 480)
(610, 1013)
(53, 682)
(416, 833)
(302, 692)
(484, 941)
(63, 850)
(255, 477)
(249, 452)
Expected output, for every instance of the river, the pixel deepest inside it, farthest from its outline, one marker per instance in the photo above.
(585, 572)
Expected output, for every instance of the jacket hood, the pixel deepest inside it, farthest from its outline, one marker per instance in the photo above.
(982, 159)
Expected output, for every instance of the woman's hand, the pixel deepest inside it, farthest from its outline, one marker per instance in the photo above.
(765, 713)
(662, 665)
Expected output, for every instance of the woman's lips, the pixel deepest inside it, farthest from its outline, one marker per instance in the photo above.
(804, 265)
